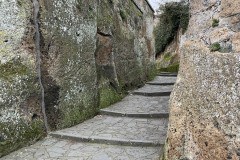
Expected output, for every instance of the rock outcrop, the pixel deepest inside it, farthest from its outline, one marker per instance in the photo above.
(204, 106)
(89, 49)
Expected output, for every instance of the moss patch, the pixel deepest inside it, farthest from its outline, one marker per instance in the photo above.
(105, 15)
(74, 115)
(10, 69)
(108, 96)
(123, 15)
(167, 56)
(14, 137)
(152, 72)
(172, 68)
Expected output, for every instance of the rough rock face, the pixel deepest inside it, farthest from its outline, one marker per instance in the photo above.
(85, 46)
(69, 71)
(204, 106)
(124, 32)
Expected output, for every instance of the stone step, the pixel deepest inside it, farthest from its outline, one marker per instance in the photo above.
(118, 131)
(163, 80)
(52, 149)
(168, 74)
(139, 106)
(154, 90)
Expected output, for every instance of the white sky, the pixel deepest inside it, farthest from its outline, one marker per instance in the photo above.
(155, 3)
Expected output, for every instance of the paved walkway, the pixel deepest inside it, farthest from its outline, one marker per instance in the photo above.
(133, 129)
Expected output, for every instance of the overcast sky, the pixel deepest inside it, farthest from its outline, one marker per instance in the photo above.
(155, 3)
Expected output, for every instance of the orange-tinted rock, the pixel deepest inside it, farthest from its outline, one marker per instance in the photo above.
(204, 106)
(229, 8)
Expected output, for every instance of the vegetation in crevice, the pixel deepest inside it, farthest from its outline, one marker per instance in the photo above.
(168, 62)
(171, 68)
(215, 47)
(215, 23)
(152, 72)
(123, 15)
(173, 16)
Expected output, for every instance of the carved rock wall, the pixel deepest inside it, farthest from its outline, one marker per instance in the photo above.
(84, 45)
(204, 106)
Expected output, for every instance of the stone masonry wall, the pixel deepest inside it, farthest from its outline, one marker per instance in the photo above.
(88, 48)
(204, 106)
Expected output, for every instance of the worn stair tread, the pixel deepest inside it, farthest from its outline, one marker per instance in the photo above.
(52, 148)
(118, 130)
(163, 80)
(168, 74)
(154, 90)
(139, 106)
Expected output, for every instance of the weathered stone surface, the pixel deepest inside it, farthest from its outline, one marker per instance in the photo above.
(163, 80)
(69, 69)
(204, 105)
(204, 121)
(137, 105)
(74, 67)
(220, 34)
(125, 42)
(52, 148)
(118, 130)
(14, 61)
(168, 74)
(236, 42)
(229, 8)
(19, 94)
(154, 90)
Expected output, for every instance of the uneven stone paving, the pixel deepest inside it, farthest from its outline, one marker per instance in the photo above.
(154, 90)
(139, 106)
(160, 80)
(133, 129)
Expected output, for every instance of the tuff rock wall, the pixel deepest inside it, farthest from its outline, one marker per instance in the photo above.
(90, 50)
(204, 107)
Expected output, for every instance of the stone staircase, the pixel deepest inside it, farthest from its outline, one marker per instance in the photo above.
(133, 129)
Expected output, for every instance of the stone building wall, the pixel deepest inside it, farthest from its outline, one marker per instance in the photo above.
(204, 106)
(89, 49)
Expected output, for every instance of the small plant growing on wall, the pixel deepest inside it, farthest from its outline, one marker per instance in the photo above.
(123, 15)
(215, 47)
(215, 23)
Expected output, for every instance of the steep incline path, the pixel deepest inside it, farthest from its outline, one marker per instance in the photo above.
(133, 129)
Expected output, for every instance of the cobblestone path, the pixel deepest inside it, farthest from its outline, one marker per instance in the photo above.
(133, 129)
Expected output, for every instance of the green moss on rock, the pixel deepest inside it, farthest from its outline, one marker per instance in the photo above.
(11, 69)
(105, 15)
(172, 68)
(15, 136)
(74, 115)
(123, 15)
(108, 96)
(151, 72)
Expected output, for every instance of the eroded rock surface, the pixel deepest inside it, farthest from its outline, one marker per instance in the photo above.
(87, 47)
(204, 105)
